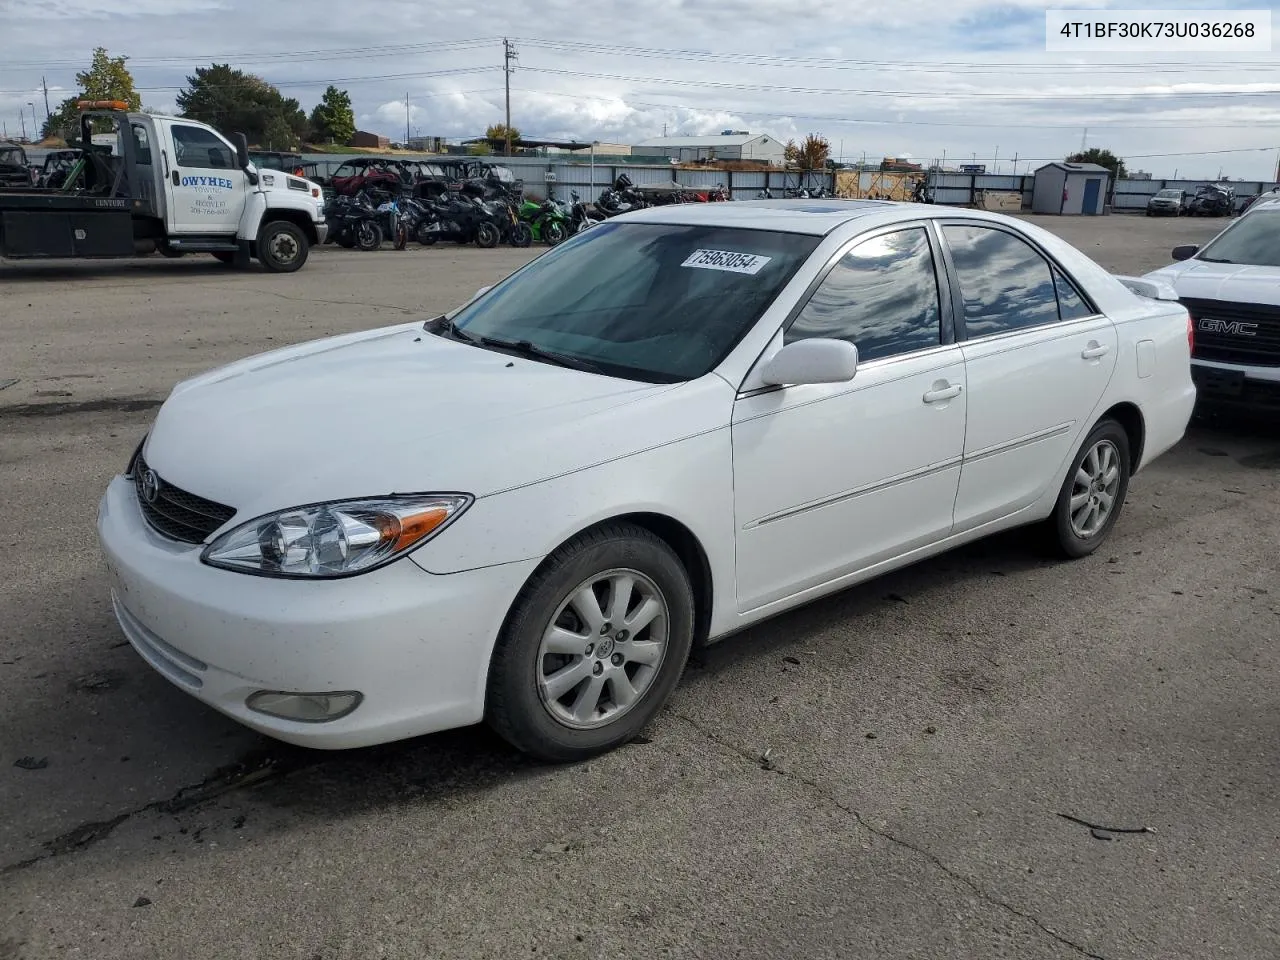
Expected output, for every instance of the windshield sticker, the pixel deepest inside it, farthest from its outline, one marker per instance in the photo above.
(726, 260)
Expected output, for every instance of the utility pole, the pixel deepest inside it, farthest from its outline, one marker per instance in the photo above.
(406, 119)
(35, 124)
(995, 162)
(44, 83)
(508, 55)
(1083, 137)
(664, 131)
(23, 117)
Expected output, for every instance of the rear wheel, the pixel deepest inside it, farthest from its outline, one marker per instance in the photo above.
(487, 235)
(1093, 492)
(593, 646)
(282, 246)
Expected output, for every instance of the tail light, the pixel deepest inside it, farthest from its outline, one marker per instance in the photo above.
(1191, 334)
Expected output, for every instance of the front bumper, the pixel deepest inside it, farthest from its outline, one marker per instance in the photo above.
(416, 645)
(1228, 384)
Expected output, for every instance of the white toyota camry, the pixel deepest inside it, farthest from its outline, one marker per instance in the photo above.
(672, 426)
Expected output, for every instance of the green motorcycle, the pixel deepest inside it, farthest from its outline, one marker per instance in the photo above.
(548, 221)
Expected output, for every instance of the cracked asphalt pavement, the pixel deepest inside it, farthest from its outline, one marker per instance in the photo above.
(879, 774)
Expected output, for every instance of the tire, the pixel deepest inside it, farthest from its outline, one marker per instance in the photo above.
(282, 246)
(367, 235)
(521, 235)
(487, 235)
(563, 707)
(225, 256)
(1104, 454)
(554, 232)
(425, 235)
(402, 236)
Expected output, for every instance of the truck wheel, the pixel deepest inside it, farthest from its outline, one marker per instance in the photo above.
(282, 247)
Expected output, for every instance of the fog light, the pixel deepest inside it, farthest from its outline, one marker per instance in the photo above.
(305, 707)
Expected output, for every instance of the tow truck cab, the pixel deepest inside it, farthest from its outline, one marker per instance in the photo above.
(145, 183)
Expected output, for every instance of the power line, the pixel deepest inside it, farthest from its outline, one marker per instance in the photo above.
(914, 94)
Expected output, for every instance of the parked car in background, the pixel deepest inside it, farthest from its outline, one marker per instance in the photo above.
(1231, 286)
(1212, 200)
(671, 426)
(1169, 202)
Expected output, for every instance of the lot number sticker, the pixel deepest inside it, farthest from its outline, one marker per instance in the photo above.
(726, 260)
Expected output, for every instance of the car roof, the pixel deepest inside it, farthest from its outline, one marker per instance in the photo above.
(816, 217)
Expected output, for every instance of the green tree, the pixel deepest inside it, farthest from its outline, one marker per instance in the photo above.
(812, 154)
(479, 149)
(497, 135)
(106, 79)
(235, 101)
(333, 119)
(1103, 158)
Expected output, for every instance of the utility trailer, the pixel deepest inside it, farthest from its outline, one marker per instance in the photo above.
(146, 183)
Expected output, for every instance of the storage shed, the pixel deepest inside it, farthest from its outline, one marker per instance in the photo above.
(1071, 188)
(725, 146)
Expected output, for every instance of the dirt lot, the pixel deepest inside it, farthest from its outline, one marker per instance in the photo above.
(925, 732)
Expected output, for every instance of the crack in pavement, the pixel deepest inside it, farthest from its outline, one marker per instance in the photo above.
(253, 769)
(813, 785)
(60, 408)
(340, 303)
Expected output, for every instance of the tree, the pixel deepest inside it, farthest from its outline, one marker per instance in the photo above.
(479, 149)
(235, 101)
(1103, 158)
(497, 135)
(812, 154)
(333, 119)
(106, 79)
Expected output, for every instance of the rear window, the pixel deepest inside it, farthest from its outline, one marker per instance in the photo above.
(652, 302)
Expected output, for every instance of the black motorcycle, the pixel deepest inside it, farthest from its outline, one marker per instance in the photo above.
(621, 197)
(580, 218)
(459, 219)
(353, 223)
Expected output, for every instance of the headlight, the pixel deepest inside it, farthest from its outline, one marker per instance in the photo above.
(335, 539)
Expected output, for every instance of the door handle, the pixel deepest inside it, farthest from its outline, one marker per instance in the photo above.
(1094, 350)
(942, 391)
(176, 180)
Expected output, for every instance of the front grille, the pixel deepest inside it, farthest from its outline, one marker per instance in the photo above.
(1247, 333)
(176, 513)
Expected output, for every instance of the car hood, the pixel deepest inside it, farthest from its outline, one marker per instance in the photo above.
(1238, 283)
(400, 410)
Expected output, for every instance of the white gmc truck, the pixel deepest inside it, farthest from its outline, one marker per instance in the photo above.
(163, 184)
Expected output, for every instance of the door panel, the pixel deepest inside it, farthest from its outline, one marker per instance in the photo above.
(205, 188)
(1091, 188)
(829, 479)
(1030, 396)
(1038, 360)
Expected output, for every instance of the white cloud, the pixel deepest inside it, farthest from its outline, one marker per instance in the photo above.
(924, 106)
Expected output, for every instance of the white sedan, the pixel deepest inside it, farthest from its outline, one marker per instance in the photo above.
(672, 426)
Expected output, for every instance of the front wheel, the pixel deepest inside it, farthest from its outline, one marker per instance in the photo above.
(368, 235)
(554, 232)
(282, 246)
(593, 646)
(521, 235)
(1093, 492)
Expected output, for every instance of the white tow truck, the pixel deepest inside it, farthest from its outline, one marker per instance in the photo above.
(147, 183)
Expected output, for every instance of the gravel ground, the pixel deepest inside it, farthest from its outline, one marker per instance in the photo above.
(879, 774)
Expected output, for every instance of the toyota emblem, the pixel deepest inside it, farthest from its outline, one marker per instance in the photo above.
(150, 486)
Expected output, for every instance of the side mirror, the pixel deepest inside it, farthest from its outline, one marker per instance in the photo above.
(812, 361)
(242, 150)
(1185, 251)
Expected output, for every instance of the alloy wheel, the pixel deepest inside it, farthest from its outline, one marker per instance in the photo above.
(603, 648)
(1094, 488)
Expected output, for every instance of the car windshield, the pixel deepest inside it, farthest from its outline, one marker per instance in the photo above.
(1254, 239)
(654, 302)
(11, 155)
(1169, 194)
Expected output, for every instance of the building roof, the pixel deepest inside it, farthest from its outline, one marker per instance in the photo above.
(713, 140)
(1076, 167)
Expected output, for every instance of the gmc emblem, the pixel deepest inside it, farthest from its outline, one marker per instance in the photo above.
(1236, 328)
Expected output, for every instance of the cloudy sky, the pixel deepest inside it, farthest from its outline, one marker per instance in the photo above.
(965, 79)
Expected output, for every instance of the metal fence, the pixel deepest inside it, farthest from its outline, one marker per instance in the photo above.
(1133, 194)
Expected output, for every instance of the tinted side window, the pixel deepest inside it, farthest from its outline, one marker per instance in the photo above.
(196, 147)
(142, 144)
(1005, 284)
(882, 296)
(1071, 305)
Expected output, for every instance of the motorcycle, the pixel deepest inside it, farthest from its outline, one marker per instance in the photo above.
(506, 211)
(580, 218)
(547, 220)
(620, 198)
(460, 219)
(353, 223)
